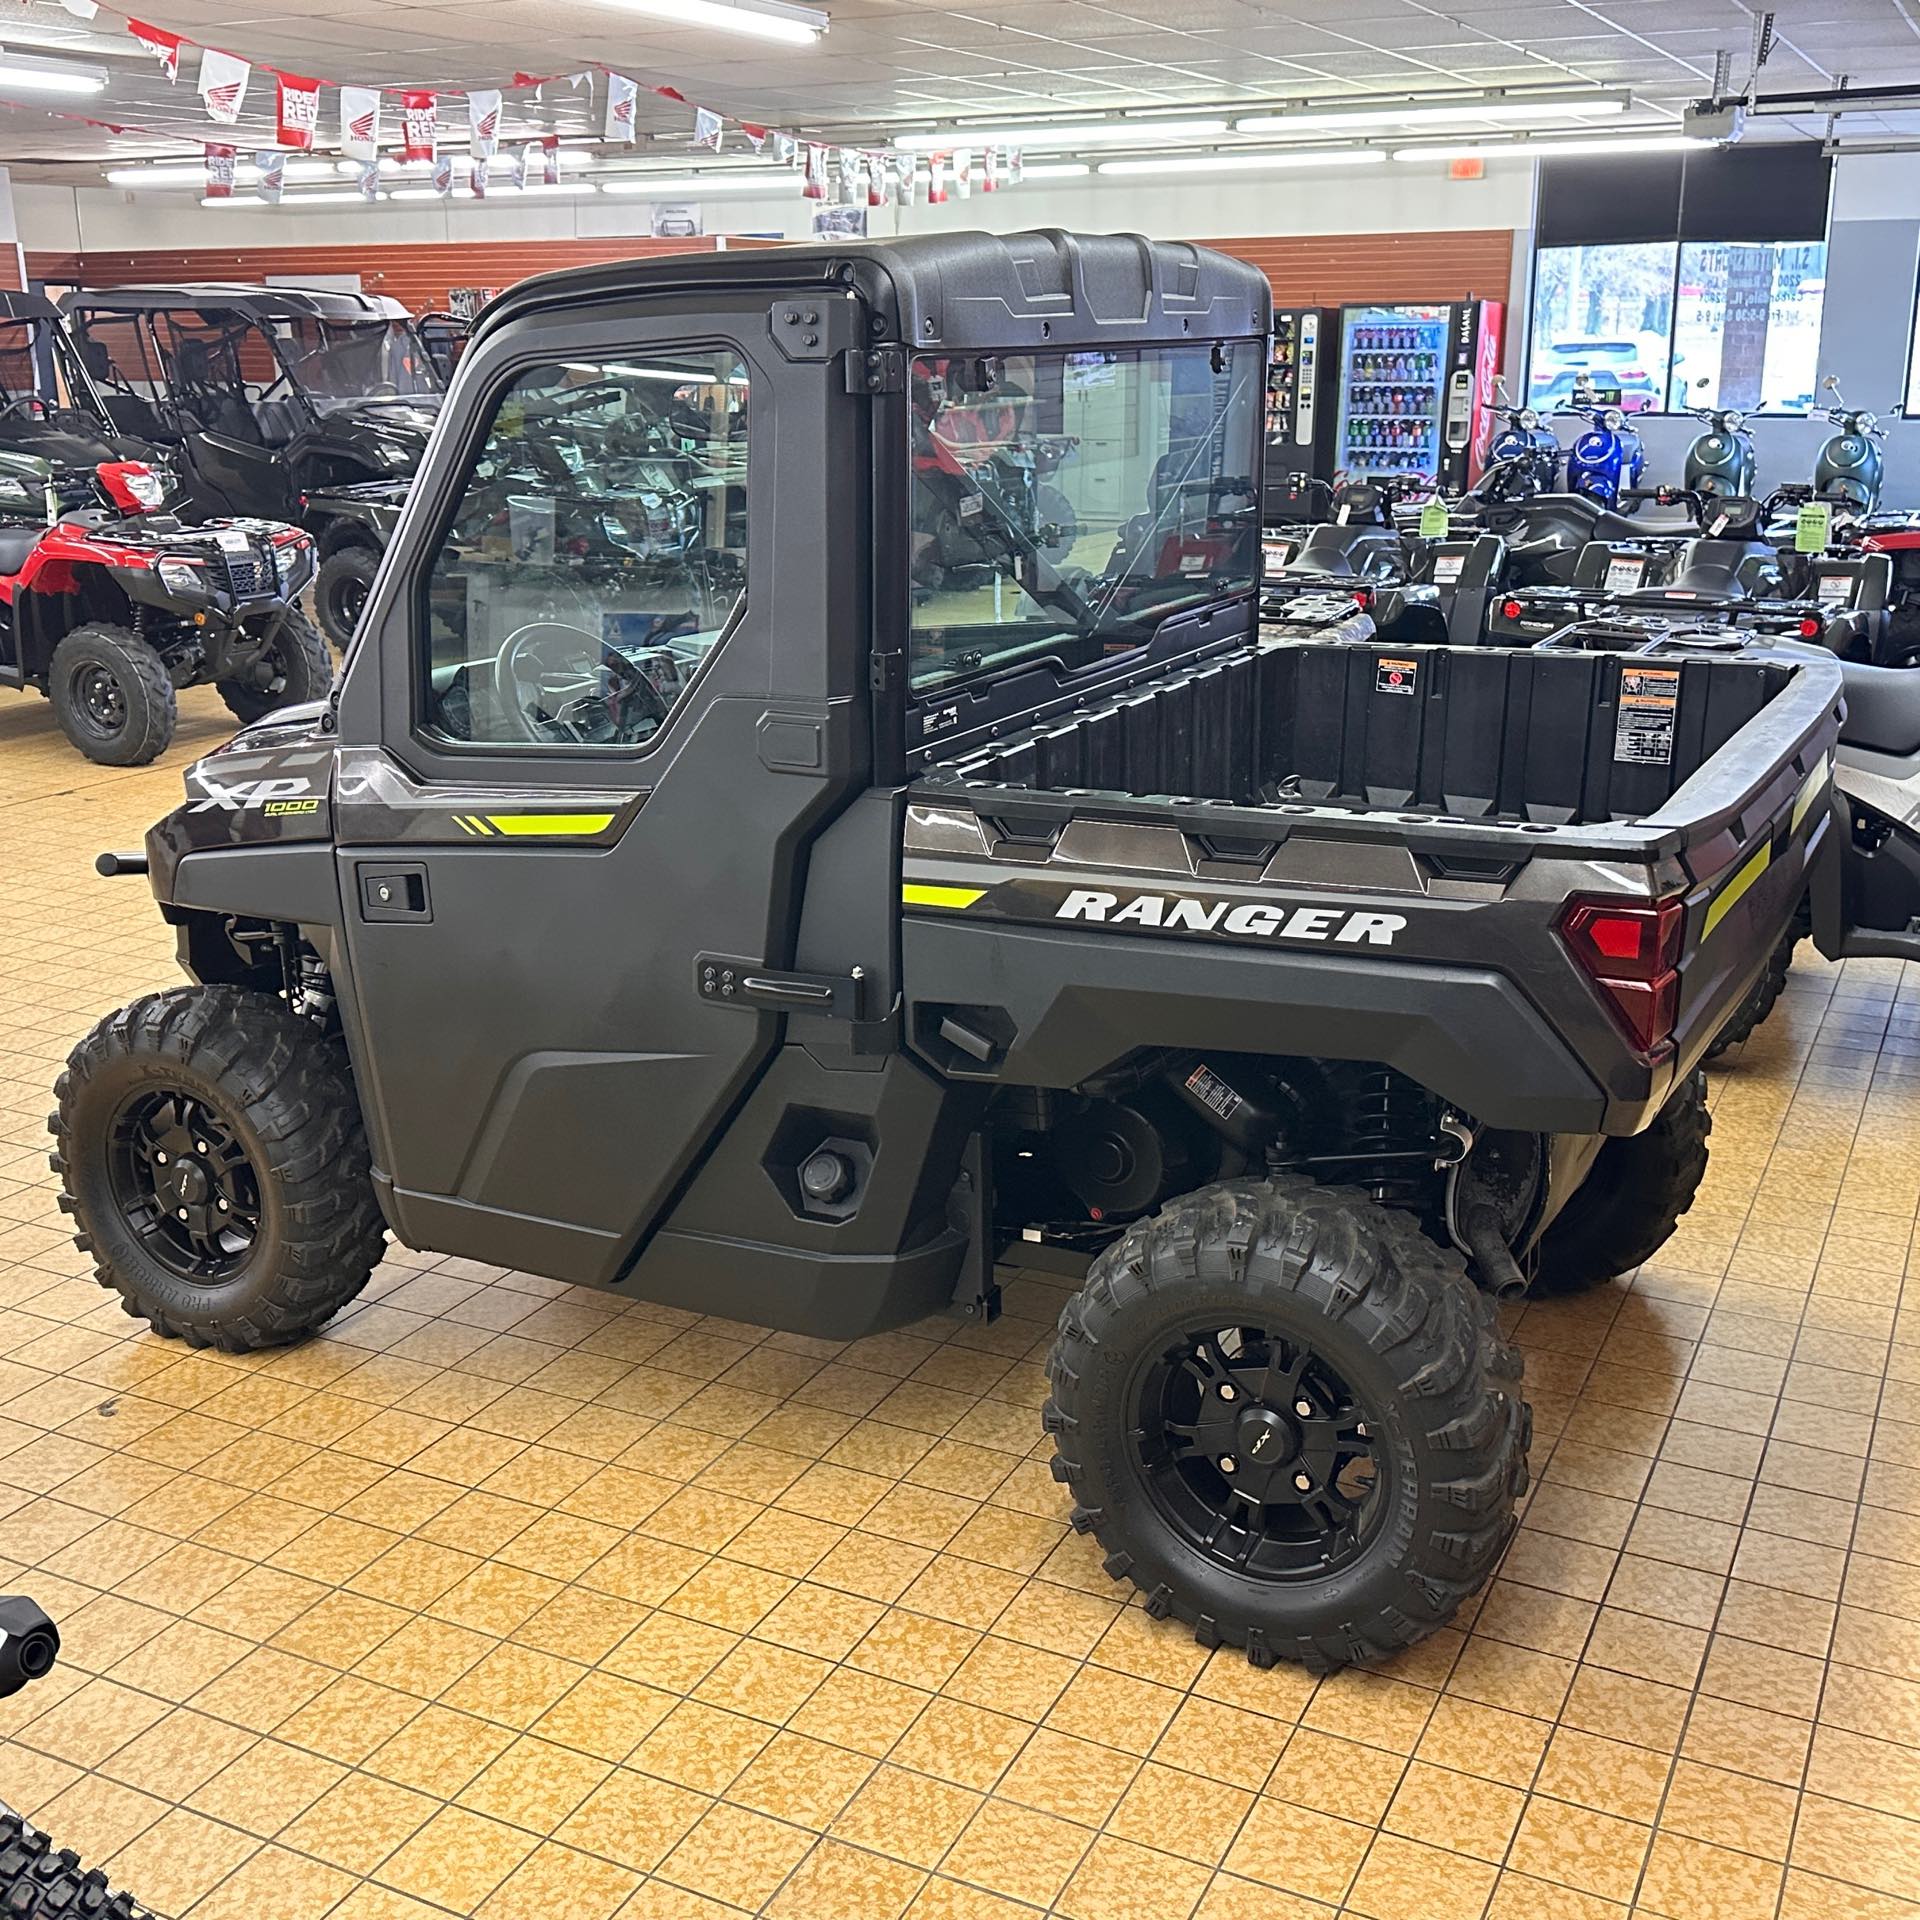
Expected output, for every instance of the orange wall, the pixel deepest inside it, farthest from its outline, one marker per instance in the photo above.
(1306, 269)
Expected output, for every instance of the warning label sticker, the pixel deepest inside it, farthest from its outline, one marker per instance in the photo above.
(1649, 706)
(1211, 1091)
(1395, 676)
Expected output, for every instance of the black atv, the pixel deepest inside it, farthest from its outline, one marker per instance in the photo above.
(351, 526)
(783, 917)
(110, 607)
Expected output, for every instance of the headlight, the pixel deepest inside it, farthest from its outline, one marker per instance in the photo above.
(1735, 420)
(1613, 419)
(393, 453)
(148, 488)
(286, 560)
(179, 576)
(1529, 418)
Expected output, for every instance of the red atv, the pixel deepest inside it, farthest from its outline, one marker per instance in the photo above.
(108, 607)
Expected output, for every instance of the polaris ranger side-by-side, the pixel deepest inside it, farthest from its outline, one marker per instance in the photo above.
(913, 844)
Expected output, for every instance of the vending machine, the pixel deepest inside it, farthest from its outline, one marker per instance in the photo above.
(1303, 387)
(1416, 394)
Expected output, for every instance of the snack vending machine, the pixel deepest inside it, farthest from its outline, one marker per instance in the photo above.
(1417, 390)
(1302, 392)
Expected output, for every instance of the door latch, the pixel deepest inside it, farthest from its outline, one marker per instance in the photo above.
(729, 982)
(394, 893)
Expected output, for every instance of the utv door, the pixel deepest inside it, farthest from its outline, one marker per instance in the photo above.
(607, 708)
(229, 475)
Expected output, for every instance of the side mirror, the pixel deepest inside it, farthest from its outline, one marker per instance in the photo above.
(29, 1644)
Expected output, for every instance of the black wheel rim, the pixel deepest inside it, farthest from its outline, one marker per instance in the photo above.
(349, 602)
(99, 699)
(185, 1184)
(1258, 1453)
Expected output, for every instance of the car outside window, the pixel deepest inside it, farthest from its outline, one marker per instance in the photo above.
(596, 553)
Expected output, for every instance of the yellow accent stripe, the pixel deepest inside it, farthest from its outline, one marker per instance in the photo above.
(551, 825)
(1803, 802)
(917, 896)
(1735, 890)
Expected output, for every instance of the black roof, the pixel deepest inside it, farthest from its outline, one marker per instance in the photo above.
(962, 290)
(26, 306)
(251, 302)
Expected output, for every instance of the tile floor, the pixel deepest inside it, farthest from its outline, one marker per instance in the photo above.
(507, 1600)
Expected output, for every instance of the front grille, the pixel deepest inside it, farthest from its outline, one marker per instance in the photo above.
(248, 574)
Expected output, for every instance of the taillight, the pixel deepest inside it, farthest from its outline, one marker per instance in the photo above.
(1511, 609)
(1632, 954)
(1810, 628)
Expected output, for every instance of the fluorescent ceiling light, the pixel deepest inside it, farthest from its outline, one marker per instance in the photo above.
(245, 174)
(29, 75)
(1056, 170)
(1246, 162)
(1534, 149)
(797, 26)
(742, 180)
(497, 190)
(341, 198)
(1492, 113)
(1088, 133)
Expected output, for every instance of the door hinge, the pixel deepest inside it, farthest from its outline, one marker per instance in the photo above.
(876, 369)
(729, 982)
(883, 671)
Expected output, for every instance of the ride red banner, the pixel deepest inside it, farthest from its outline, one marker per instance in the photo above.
(299, 111)
(219, 172)
(164, 46)
(420, 125)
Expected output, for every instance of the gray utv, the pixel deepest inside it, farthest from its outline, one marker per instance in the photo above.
(811, 805)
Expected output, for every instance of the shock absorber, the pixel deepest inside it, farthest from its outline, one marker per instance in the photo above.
(1387, 1140)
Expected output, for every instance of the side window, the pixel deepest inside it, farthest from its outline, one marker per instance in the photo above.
(594, 556)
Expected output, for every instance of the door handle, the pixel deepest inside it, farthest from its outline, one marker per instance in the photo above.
(395, 893)
(746, 983)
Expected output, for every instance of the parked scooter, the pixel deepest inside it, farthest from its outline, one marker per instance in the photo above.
(1850, 467)
(1607, 462)
(1524, 456)
(1721, 462)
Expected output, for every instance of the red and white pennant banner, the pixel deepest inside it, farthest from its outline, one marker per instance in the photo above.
(223, 84)
(297, 108)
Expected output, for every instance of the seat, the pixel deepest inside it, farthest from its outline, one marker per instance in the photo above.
(15, 544)
(277, 420)
(1883, 709)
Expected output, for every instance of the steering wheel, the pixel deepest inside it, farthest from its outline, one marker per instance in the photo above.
(516, 680)
(29, 403)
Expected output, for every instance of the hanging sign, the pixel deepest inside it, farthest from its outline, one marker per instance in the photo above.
(360, 122)
(815, 186)
(223, 84)
(937, 179)
(1434, 520)
(483, 124)
(273, 175)
(297, 108)
(443, 174)
(219, 172)
(1813, 528)
(708, 128)
(369, 180)
(622, 96)
(164, 46)
(420, 126)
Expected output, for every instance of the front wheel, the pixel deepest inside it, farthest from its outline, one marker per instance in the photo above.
(341, 589)
(112, 695)
(295, 668)
(1291, 1421)
(1631, 1201)
(210, 1144)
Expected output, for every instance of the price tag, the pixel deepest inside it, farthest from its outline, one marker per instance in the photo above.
(231, 540)
(1814, 527)
(1435, 520)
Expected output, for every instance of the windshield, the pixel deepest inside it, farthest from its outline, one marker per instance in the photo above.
(21, 374)
(359, 360)
(1065, 503)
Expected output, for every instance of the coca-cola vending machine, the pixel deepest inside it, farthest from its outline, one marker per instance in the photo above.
(1417, 390)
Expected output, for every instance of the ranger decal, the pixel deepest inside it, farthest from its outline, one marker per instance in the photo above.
(1183, 913)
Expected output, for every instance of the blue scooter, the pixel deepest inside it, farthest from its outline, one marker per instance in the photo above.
(1524, 457)
(1607, 461)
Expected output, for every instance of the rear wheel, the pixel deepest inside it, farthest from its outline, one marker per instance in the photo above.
(112, 695)
(1760, 1000)
(1632, 1199)
(214, 1162)
(39, 1881)
(1291, 1421)
(294, 669)
(341, 589)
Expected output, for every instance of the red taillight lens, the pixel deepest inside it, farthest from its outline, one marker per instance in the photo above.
(1511, 609)
(1810, 628)
(1631, 954)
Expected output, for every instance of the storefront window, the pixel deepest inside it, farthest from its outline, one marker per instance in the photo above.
(1605, 311)
(1746, 330)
